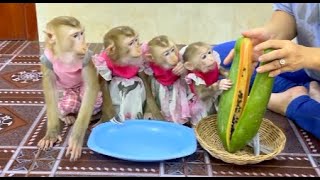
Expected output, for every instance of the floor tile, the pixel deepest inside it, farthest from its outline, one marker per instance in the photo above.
(292, 142)
(22, 97)
(25, 175)
(26, 59)
(12, 47)
(40, 130)
(96, 166)
(16, 122)
(310, 141)
(21, 77)
(33, 48)
(172, 168)
(226, 170)
(4, 58)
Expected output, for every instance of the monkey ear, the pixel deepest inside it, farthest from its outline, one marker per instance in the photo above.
(189, 66)
(148, 56)
(51, 36)
(111, 48)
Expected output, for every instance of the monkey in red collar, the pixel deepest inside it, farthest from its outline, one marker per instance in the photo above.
(203, 65)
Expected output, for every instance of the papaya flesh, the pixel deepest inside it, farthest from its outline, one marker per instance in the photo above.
(240, 113)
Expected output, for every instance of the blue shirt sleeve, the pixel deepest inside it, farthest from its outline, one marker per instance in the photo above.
(223, 50)
(287, 7)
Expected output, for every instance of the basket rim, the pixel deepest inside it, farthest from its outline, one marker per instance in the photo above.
(235, 158)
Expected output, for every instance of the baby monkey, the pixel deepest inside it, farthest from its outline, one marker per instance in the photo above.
(165, 67)
(69, 78)
(120, 63)
(203, 79)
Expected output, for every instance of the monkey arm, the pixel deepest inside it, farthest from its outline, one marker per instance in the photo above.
(51, 99)
(224, 72)
(91, 89)
(151, 105)
(108, 110)
(205, 92)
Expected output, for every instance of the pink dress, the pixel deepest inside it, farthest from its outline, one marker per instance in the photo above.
(70, 85)
(170, 92)
(126, 87)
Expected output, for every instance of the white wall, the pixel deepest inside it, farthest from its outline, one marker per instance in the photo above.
(184, 22)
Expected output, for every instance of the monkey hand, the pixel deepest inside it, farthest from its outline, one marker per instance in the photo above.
(107, 113)
(179, 69)
(152, 111)
(147, 116)
(49, 139)
(225, 84)
(104, 118)
(75, 143)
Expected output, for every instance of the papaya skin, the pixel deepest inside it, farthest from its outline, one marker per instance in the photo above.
(236, 135)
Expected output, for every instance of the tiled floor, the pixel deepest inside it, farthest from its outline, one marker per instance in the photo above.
(23, 122)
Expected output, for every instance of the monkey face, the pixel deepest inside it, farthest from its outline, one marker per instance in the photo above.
(134, 47)
(72, 39)
(204, 59)
(167, 57)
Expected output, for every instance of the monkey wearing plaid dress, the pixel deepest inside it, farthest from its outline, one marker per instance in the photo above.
(69, 78)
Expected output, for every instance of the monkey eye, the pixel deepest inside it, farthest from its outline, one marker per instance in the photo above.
(75, 35)
(209, 52)
(81, 33)
(166, 53)
(204, 56)
(172, 50)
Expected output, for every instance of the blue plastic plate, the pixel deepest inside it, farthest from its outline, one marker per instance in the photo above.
(143, 140)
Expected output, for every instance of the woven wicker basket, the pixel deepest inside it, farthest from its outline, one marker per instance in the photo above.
(270, 136)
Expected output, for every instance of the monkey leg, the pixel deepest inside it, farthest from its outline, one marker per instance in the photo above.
(151, 106)
(91, 89)
(69, 105)
(51, 98)
(108, 110)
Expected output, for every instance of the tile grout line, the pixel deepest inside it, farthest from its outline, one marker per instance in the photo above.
(207, 161)
(24, 172)
(16, 104)
(8, 42)
(295, 130)
(17, 51)
(314, 165)
(8, 62)
(21, 90)
(317, 171)
(59, 157)
(23, 46)
(292, 154)
(8, 147)
(304, 146)
(24, 64)
(2, 43)
(106, 173)
(23, 141)
(161, 169)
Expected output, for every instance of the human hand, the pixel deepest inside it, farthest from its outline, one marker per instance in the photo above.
(257, 36)
(287, 56)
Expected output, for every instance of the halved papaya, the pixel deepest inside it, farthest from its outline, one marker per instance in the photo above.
(240, 115)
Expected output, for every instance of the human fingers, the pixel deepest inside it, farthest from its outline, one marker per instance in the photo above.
(229, 58)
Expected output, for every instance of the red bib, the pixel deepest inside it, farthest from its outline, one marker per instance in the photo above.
(164, 76)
